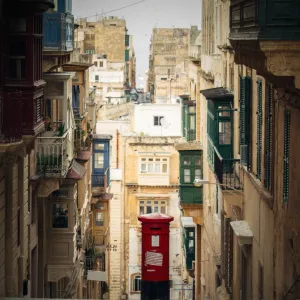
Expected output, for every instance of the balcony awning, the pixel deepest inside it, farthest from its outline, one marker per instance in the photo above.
(188, 222)
(216, 94)
(76, 171)
(243, 232)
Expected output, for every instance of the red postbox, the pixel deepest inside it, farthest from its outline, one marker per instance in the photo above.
(155, 256)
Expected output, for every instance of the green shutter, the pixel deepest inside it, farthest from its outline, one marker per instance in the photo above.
(245, 119)
(269, 137)
(286, 155)
(126, 55)
(259, 130)
(127, 40)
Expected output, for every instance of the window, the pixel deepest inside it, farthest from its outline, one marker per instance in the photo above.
(101, 64)
(157, 120)
(99, 146)
(87, 51)
(286, 154)
(59, 215)
(99, 219)
(96, 78)
(259, 130)
(136, 283)
(95, 63)
(225, 133)
(191, 168)
(152, 206)
(93, 51)
(154, 165)
(99, 160)
(17, 59)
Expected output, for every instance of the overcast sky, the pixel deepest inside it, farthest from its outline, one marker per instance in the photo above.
(142, 18)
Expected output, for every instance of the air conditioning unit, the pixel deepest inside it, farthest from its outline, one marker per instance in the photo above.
(244, 155)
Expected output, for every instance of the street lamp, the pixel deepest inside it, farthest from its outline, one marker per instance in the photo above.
(200, 182)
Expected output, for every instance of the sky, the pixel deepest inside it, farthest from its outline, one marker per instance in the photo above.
(141, 18)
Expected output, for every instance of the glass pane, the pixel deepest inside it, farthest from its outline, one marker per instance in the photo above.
(155, 209)
(198, 174)
(162, 202)
(193, 122)
(162, 209)
(187, 178)
(187, 172)
(223, 113)
(191, 234)
(155, 202)
(150, 168)
(225, 133)
(99, 160)
(192, 109)
(143, 168)
(99, 218)
(142, 210)
(191, 246)
(157, 168)
(197, 161)
(157, 159)
(164, 168)
(99, 146)
(148, 209)
(60, 215)
(150, 159)
(99, 206)
(187, 161)
(148, 202)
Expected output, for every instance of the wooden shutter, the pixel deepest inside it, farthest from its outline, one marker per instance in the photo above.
(259, 130)
(286, 155)
(269, 138)
(245, 110)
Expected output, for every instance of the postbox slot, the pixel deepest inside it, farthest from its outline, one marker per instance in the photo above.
(154, 228)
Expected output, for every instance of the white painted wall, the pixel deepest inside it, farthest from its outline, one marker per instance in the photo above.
(144, 119)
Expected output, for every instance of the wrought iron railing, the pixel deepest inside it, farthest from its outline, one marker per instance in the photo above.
(100, 180)
(53, 154)
(227, 171)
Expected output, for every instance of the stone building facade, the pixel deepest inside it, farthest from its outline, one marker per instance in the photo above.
(249, 106)
(167, 76)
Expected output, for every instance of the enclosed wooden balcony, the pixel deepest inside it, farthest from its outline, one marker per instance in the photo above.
(262, 32)
(11, 111)
(58, 32)
(264, 19)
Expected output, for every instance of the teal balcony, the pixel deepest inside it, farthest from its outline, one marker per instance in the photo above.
(188, 241)
(264, 20)
(58, 32)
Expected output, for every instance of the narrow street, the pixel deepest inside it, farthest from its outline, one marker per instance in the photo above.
(148, 149)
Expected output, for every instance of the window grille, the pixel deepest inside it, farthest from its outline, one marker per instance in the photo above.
(269, 137)
(259, 130)
(286, 155)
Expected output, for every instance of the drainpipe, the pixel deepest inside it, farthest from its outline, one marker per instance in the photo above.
(117, 149)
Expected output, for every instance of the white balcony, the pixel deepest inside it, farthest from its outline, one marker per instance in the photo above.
(54, 153)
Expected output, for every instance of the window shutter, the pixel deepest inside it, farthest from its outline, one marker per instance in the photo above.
(286, 155)
(245, 129)
(269, 138)
(259, 130)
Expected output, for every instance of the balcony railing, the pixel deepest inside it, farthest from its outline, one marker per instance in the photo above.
(52, 154)
(228, 172)
(100, 180)
(58, 32)
(11, 117)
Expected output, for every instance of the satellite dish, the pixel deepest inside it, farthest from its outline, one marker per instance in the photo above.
(163, 122)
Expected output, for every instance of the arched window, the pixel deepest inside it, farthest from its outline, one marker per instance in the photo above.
(136, 283)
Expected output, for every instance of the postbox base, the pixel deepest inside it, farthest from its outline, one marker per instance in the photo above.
(155, 290)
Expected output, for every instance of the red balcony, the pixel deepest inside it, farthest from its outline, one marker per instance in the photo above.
(11, 112)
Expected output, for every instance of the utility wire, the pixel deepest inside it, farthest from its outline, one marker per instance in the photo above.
(135, 3)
